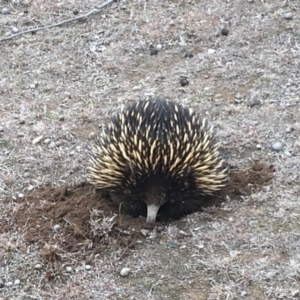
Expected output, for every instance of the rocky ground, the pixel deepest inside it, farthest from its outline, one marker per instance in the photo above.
(59, 239)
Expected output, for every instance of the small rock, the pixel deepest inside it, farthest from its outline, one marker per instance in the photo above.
(20, 195)
(8, 284)
(58, 143)
(88, 267)
(52, 145)
(47, 141)
(277, 146)
(288, 130)
(20, 134)
(30, 187)
(136, 88)
(287, 153)
(69, 269)
(159, 47)
(38, 266)
(56, 227)
(1, 128)
(75, 11)
(124, 272)
(37, 139)
(225, 31)
(295, 293)
(153, 50)
(211, 51)
(15, 29)
(17, 282)
(253, 102)
(172, 245)
(266, 188)
(184, 81)
(61, 118)
(22, 122)
(1, 284)
(250, 1)
(288, 16)
(32, 86)
(5, 11)
(243, 293)
(258, 146)
(188, 54)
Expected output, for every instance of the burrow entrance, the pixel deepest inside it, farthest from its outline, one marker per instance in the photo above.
(76, 218)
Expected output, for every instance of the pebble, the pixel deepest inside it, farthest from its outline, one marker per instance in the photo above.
(20, 134)
(184, 81)
(61, 118)
(38, 266)
(188, 54)
(159, 47)
(153, 50)
(9, 283)
(1, 128)
(1, 283)
(69, 269)
(37, 139)
(287, 153)
(172, 245)
(243, 293)
(5, 10)
(136, 88)
(88, 267)
(52, 145)
(225, 31)
(211, 51)
(277, 146)
(47, 141)
(258, 146)
(56, 227)
(124, 272)
(17, 282)
(30, 188)
(20, 195)
(288, 130)
(288, 16)
(15, 30)
(250, 1)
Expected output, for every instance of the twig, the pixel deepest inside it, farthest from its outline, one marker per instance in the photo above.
(93, 11)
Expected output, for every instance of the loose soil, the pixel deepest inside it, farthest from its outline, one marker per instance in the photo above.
(70, 207)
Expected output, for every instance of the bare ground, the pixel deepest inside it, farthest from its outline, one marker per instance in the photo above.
(59, 239)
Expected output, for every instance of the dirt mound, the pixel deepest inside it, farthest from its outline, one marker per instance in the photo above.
(77, 217)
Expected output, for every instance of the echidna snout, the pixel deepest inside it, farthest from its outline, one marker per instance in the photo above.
(152, 211)
(157, 159)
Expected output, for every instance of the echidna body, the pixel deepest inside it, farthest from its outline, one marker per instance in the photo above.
(158, 153)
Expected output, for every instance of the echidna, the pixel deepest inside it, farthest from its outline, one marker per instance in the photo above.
(157, 158)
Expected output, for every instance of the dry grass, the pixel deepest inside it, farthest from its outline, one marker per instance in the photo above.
(59, 85)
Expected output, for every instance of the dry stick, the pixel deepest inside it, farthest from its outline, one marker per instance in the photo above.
(93, 11)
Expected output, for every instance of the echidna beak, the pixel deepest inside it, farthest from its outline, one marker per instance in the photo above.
(151, 213)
